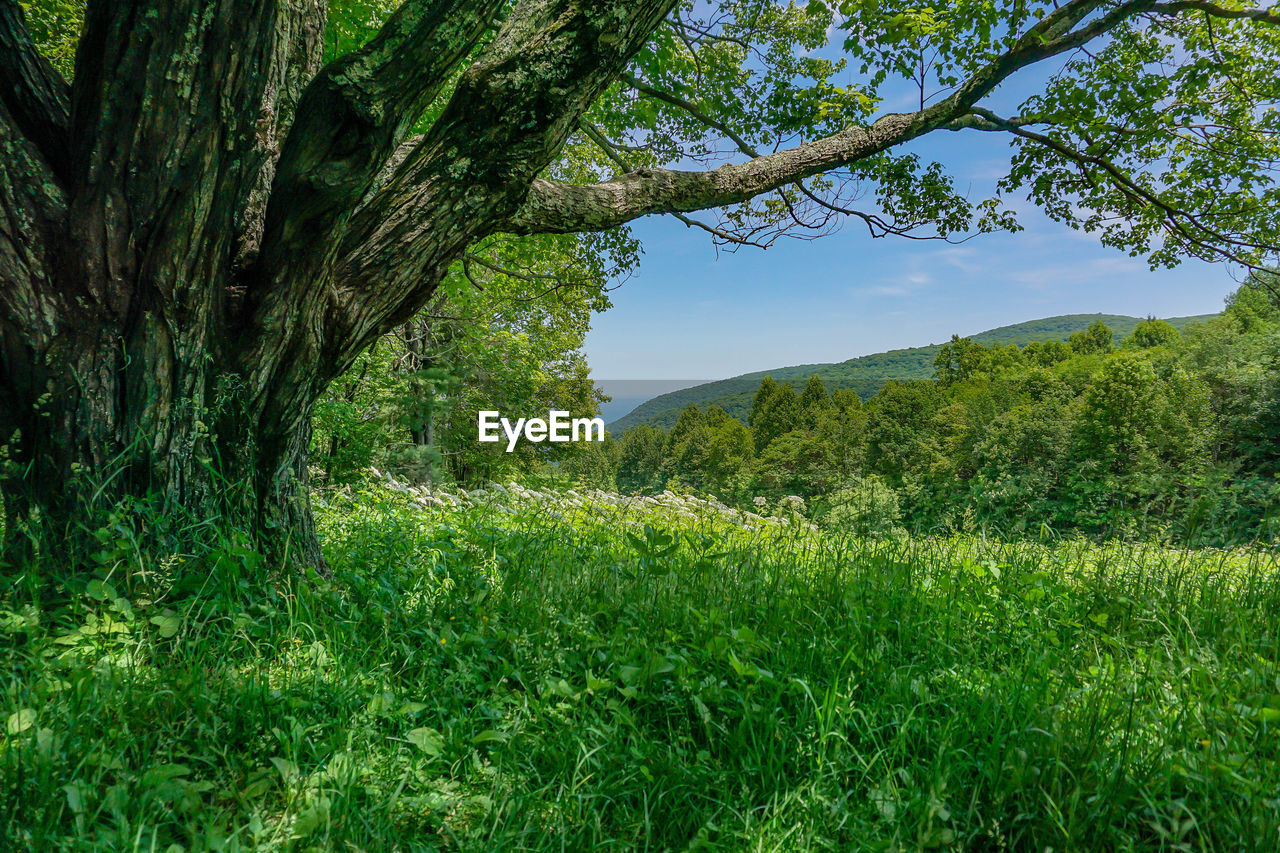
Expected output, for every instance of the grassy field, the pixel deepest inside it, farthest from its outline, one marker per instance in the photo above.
(572, 679)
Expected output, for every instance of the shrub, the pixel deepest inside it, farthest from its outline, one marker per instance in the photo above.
(867, 508)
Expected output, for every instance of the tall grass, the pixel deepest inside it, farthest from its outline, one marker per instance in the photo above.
(496, 680)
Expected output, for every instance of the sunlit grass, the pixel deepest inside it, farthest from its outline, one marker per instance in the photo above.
(490, 680)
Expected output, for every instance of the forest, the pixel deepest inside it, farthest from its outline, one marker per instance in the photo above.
(263, 263)
(867, 374)
(1162, 436)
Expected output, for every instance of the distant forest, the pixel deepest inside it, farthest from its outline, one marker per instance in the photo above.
(867, 374)
(1157, 433)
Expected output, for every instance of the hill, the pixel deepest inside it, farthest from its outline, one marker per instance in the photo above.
(867, 374)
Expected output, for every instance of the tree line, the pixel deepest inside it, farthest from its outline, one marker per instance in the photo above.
(1165, 435)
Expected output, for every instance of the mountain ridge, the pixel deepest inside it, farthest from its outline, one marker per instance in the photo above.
(868, 373)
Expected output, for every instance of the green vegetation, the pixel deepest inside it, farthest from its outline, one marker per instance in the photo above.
(867, 374)
(1159, 435)
(580, 677)
(251, 251)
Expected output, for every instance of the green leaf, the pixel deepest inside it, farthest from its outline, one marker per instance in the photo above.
(20, 721)
(168, 622)
(427, 739)
(99, 590)
(156, 776)
(288, 770)
(313, 815)
(488, 736)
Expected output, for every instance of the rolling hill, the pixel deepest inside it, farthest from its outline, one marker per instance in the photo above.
(867, 374)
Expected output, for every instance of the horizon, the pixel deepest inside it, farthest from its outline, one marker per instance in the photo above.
(686, 382)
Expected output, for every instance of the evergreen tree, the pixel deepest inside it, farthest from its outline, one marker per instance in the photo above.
(778, 412)
(814, 400)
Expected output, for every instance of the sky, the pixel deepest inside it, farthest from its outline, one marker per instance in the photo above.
(694, 313)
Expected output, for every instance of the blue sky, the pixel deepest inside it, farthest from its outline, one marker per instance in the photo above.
(691, 313)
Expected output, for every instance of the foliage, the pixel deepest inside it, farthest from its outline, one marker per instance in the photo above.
(55, 29)
(1098, 339)
(1152, 333)
(1171, 436)
(494, 340)
(866, 375)
(866, 508)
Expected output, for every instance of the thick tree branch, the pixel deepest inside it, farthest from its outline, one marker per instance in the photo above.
(556, 207)
(38, 99)
(351, 119)
(32, 211)
(508, 118)
(560, 208)
(615, 156)
(177, 109)
(876, 225)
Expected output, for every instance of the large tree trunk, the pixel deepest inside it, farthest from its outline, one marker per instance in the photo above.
(126, 419)
(185, 267)
(122, 375)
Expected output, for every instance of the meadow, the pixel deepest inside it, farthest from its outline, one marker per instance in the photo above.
(520, 676)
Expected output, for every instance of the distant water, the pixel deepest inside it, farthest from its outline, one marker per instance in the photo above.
(629, 393)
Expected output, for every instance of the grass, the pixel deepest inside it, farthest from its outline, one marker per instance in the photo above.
(496, 680)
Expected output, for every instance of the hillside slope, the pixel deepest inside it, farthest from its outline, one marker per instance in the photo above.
(867, 374)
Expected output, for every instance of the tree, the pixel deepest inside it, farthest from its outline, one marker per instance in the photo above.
(207, 224)
(798, 462)
(901, 442)
(1151, 333)
(775, 411)
(706, 449)
(1098, 339)
(1046, 353)
(640, 452)
(1120, 410)
(814, 401)
(959, 360)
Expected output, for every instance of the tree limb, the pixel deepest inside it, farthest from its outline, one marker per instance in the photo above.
(561, 208)
(610, 150)
(37, 97)
(1260, 16)
(354, 115)
(508, 118)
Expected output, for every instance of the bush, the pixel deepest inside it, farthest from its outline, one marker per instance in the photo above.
(866, 508)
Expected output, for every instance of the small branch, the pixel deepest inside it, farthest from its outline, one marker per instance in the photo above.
(1270, 17)
(1178, 221)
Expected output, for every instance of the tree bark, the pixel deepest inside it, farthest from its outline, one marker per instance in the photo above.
(122, 273)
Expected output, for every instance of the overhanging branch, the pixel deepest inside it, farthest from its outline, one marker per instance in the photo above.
(560, 208)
